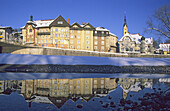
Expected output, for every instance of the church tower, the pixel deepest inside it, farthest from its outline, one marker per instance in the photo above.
(125, 29)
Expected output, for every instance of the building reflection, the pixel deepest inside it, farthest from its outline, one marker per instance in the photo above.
(59, 91)
(134, 85)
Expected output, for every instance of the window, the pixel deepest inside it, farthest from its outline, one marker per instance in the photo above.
(56, 35)
(87, 37)
(62, 35)
(102, 81)
(71, 46)
(87, 32)
(95, 42)
(78, 42)
(95, 37)
(30, 30)
(71, 31)
(102, 32)
(87, 47)
(78, 36)
(56, 30)
(78, 31)
(126, 44)
(61, 45)
(102, 47)
(95, 47)
(95, 32)
(61, 40)
(78, 47)
(60, 22)
(56, 40)
(78, 82)
(102, 38)
(87, 82)
(95, 81)
(87, 42)
(122, 44)
(71, 36)
(71, 41)
(62, 30)
(131, 49)
(102, 42)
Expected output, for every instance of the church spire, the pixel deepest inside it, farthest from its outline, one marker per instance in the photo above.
(31, 18)
(125, 29)
(125, 20)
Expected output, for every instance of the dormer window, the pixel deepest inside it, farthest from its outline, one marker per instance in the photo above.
(60, 22)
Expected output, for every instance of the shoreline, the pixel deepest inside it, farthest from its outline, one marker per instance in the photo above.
(110, 69)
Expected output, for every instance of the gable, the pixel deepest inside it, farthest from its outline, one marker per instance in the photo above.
(75, 26)
(88, 26)
(60, 22)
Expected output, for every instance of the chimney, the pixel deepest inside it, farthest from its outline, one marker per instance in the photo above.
(68, 20)
(83, 23)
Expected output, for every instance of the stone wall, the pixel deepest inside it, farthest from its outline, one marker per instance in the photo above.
(18, 49)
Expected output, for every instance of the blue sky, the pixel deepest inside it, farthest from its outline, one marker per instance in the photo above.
(105, 13)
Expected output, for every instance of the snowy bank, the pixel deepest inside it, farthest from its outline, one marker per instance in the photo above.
(81, 60)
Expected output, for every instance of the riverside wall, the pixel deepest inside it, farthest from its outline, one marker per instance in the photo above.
(67, 52)
(22, 49)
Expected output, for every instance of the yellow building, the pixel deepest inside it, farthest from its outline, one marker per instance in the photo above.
(60, 34)
(81, 36)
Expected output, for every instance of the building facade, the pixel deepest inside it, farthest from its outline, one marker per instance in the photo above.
(5, 33)
(134, 42)
(60, 34)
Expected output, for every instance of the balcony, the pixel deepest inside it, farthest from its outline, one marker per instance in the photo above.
(43, 33)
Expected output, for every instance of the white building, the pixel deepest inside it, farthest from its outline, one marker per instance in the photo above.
(5, 33)
(164, 47)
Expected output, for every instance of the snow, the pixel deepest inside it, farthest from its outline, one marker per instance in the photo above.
(81, 60)
(101, 29)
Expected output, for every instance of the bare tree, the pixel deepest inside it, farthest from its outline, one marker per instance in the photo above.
(159, 22)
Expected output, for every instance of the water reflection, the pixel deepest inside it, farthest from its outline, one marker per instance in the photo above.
(87, 93)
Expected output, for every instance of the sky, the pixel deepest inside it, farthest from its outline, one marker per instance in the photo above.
(99, 13)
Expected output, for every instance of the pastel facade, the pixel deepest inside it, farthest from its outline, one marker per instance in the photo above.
(60, 34)
(81, 36)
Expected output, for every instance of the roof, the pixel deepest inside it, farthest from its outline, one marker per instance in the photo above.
(137, 38)
(43, 23)
(5, 27)
(101, 29)
(59, 22)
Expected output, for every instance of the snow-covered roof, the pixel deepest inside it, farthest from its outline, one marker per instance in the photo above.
(40, 99)
(112, 34)
(137, 38)
(164, 46)
(43, 23)
(4, 27)
(101, 29)
(40, 23)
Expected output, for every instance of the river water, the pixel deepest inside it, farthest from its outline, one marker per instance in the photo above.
(85, 92)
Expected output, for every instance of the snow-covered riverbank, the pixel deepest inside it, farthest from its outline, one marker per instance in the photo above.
(81, 60)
